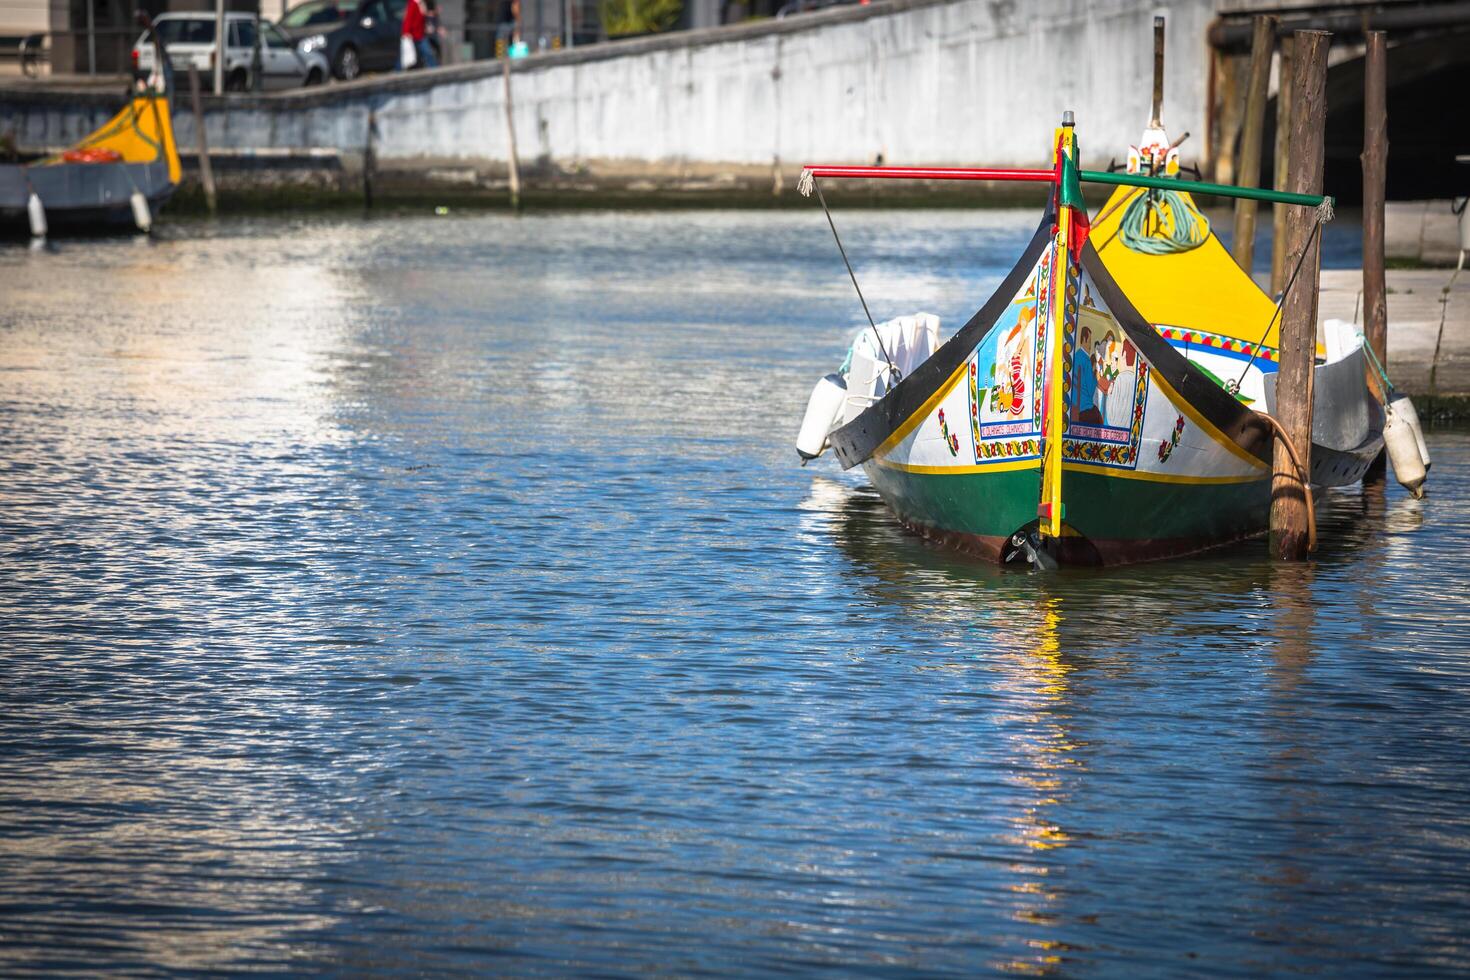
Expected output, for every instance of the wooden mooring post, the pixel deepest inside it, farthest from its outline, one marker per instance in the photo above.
(201, 141)
(1263, 41)
(1283, 143)
(1375, 175)
(1289, 506)
(370, 158)
(510, 135)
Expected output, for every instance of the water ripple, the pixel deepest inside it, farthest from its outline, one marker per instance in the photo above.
(420, 596)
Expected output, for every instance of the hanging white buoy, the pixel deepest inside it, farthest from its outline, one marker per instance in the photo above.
(1402, 439)
(1411, 416)
(37, 212)
(822, 411)
(141, 215)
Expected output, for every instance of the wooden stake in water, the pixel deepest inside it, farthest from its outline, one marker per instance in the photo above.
(370, 159)
(1263, 40)
(201, 138)
(510, 134)
(1226, 125)
(1375, 172)
(1289, 536)
(219, 47)
(1283, 143)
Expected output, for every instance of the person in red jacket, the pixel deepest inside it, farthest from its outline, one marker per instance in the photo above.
(415, 22)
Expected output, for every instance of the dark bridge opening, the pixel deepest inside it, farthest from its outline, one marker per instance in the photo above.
(1428, 122)
(1428, 92)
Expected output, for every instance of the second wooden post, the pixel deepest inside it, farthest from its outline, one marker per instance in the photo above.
(1289, 515)
(1263, 41)
(201, 137)
(1283, 133)
(510, 137)
(1375, 175)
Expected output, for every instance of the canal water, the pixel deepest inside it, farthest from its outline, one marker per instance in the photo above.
(431, 595)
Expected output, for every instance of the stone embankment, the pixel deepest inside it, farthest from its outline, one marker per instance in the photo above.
(1428, 331)
(726, 111)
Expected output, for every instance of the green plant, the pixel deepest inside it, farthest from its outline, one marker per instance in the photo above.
(620, 17)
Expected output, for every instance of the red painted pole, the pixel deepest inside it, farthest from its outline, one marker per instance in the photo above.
(935, 173)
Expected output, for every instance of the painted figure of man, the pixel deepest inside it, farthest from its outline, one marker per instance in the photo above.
(1084, 381)
(1104, 378)
(1121, 359)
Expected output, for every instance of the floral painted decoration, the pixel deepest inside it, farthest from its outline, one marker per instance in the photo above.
(1167, 446)
(1001, 449)
(950, 440)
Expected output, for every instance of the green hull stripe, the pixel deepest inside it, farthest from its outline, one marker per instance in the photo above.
(991, 504)
(1098, 507)
(1104, 508)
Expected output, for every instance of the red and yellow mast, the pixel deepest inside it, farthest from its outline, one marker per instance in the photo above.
(1071, 234)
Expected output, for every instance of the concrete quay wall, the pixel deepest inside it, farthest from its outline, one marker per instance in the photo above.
(902, 81)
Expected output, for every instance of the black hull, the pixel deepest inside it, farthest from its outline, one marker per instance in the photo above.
(81, 198)
(80, 222)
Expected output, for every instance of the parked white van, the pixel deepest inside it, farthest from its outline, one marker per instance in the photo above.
(189, 39)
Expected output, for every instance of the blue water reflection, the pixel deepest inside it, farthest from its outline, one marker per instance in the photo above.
(424, 595)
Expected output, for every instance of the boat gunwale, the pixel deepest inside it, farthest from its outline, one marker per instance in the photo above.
(856, 441)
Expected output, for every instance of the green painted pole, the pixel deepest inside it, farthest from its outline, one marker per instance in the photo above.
(1201, 187)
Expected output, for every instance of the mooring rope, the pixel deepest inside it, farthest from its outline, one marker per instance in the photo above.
(1188, 229)
(1302, 476)
(1378, 366)
(807, 183)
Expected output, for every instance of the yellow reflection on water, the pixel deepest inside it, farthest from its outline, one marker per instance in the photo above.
(1047, 763)
(1026, 670)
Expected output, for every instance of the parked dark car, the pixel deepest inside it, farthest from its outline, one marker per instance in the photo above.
(355, 35)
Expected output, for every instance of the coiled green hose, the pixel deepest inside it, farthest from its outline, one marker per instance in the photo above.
(1187, 229)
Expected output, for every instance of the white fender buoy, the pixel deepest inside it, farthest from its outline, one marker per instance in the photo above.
(1411, 416)
(1401, 423)
(37, 212)
(141, 215)
(822, 411)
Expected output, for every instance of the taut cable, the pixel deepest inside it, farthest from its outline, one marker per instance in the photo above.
(816, 185)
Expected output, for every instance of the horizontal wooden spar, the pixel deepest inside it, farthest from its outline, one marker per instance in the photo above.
(935, 173)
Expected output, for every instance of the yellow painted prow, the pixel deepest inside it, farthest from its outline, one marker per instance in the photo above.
(140, 133)
(1201, 289)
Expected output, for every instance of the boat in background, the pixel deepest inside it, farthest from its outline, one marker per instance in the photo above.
(115, 179)
(1094, 411)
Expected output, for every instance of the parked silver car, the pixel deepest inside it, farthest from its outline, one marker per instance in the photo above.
(189, 39)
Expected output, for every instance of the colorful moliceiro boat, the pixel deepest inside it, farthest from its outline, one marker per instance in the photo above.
(116, 178)
(1105, 405)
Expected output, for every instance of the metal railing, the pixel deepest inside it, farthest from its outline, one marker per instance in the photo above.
(99, 51)
(30, 52)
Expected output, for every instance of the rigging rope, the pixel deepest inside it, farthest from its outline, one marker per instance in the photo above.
(1185, 231)
(806, 184)
(1234, 386)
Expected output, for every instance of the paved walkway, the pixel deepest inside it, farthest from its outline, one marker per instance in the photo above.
(1425, 311)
